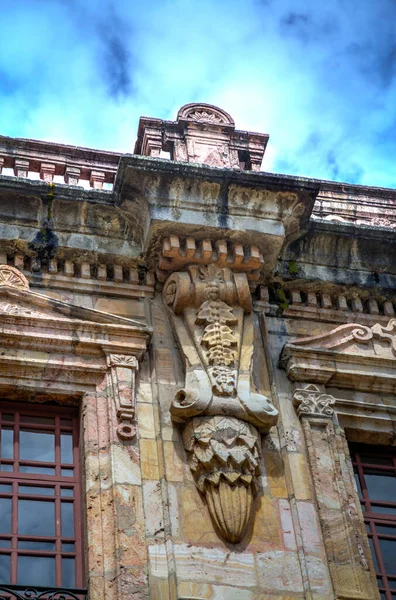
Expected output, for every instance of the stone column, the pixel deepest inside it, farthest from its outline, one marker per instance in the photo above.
(340, 515)
(116, 557)
(127, 516)
(99, 555)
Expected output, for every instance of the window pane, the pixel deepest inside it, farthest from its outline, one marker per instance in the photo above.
(5, 487)
(373, 554)
(37, 490)
(376, 460)
(359, 489)
(39, 470)
(5, 562)
(67, 492)
(25, 545)
(388, 529)
(36, 570)
(67, 448)
(67, 547)
(6, 468)
(7, 417)
(67, 472)
(5, 515)
(36, 517)
(7, 443)
(34, 445)
(37, 420)
(5, 543)
(385, 510)
(380, 485)
(67, 519)
(66, 422)
(68, 577)
(388, 551)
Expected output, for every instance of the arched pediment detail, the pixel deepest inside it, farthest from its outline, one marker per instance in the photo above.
(205, 113)
(352, 356)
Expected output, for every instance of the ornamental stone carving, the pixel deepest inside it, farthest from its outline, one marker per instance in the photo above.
(122, 373)
(12, 277)
(205, 113)
(350, 356)
(224, 457)
(210, 308)
(311, 402)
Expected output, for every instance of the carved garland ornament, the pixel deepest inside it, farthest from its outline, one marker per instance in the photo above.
(210, 308)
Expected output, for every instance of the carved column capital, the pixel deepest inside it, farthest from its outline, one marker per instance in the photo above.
(312, 403)
(122, 360)
(122, 371)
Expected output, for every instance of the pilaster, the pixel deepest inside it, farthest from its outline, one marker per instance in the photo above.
(340, 515)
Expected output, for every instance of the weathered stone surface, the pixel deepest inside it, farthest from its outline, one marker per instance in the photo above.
(82, 274)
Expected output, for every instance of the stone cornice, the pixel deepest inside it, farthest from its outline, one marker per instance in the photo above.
(213, 203)
(41, 333)
(263, 179)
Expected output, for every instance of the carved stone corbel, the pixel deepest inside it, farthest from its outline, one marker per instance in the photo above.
(122, 372)
(210, 308)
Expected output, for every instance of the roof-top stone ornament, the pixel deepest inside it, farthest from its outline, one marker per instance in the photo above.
(203, 134)
(205, 113)
(12, 277)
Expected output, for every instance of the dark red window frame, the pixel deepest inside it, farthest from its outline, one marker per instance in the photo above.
(65, 480)
(379, 513)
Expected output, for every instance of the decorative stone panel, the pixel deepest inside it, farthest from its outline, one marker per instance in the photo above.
(122, 369)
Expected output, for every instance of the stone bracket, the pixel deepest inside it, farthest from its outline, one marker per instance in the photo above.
(122, 372)
(210, 308)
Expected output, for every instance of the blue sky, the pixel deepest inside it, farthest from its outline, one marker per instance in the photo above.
(319, 77)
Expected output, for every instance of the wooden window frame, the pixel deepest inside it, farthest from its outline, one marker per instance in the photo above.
(386, 581)
(58, 481)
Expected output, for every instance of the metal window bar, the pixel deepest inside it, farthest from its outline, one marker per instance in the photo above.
(20, 592)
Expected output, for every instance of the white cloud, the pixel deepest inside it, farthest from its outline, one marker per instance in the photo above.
(319, 78)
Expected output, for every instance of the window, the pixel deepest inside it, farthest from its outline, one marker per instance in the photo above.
(375, 474)
(40, 524)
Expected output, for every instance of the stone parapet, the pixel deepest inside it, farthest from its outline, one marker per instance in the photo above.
(49, 161)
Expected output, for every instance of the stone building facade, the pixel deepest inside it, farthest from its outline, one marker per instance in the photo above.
(197, 373)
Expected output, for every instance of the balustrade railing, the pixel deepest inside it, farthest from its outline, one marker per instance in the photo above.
(58, 163)
(21, 592)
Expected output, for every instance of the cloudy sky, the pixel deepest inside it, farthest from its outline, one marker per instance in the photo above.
(319, 77)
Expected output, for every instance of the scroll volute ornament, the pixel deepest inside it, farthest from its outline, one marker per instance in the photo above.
(210, 308)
